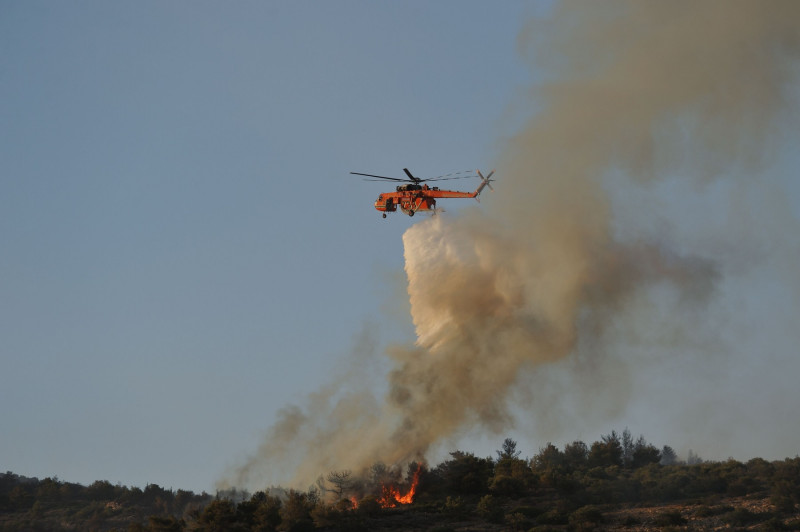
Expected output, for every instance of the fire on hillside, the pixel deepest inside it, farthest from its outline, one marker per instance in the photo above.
(391, 495)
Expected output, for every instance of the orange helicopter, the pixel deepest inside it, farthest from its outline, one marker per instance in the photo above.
(414, 197)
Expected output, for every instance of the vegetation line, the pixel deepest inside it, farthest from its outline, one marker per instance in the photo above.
(614, 483)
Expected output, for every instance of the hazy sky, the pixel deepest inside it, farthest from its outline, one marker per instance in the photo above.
(183, 252)
(183, 249)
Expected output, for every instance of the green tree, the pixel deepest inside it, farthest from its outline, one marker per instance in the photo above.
(644, 453)
(549, 457)
(606, 452)
(548, 464)
(465, 473)
(296, 511)
(268, 514)
(512, 477)
(575, 455)
(101, 490)
(49, 490)
(218, 516)
(20, 498)
(164, 524)
(508, 450)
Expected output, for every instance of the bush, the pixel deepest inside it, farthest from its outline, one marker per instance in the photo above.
(489, 508)
(775, 523)
(670, 518)
(507, 486)
(587, 515)
(741, 517)
(454, 506)
(631, 521)
(711, 511)
(553, 517)
(529, 511)
(517, 521)
(783, 504)
(368, 506)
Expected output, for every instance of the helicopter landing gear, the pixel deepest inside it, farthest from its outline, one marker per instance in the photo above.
(411, 213)
(384, 215)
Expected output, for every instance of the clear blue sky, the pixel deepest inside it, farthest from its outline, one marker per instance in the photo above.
(183, 250)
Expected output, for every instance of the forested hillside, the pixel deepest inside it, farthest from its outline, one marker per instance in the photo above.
(614, 483)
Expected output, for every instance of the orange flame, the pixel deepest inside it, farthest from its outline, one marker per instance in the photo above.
(354, 502)
(391, 495)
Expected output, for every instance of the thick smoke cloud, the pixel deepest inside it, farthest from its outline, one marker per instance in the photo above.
(588, 287)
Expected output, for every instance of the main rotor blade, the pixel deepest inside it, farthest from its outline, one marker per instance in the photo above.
(380, 177)
(414, 179)
(447, 178)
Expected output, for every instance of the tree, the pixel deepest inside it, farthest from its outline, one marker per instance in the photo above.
(267, 515)
(549, 465)
(341, 481)
(101, 490)
(296, 511)
(575, 455)
(380, 474)
(465, 473)
(549, 457)
(607, 452)
(218, 516)
(512, 476)
(644, 453)
(164, 524)
(628, 447)
(668, 456)
(509, 450)
(693, 459)
(20, 498)
(49, 490)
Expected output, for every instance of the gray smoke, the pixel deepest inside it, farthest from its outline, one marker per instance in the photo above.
(604, 277)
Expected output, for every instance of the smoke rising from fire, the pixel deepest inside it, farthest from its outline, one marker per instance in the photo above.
(571, 284)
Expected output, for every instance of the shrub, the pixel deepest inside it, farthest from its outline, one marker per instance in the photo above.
(489, 508)
(508, 486)
(517, 521)
(711, 511)
(631, 521)
(553, 517)
(670, 518)
(454, 506)
(587, 515)
(369, 506)
(529, 511)
(741, 517)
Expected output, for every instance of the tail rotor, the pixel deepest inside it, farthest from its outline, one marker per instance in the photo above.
(486, 180)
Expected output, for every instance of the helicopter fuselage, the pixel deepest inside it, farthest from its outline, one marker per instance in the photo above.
(412, 198)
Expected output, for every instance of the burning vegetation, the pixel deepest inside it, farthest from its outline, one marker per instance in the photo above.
(391, 495)
(380, 484)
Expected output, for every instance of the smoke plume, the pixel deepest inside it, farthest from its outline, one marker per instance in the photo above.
(610, 260)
